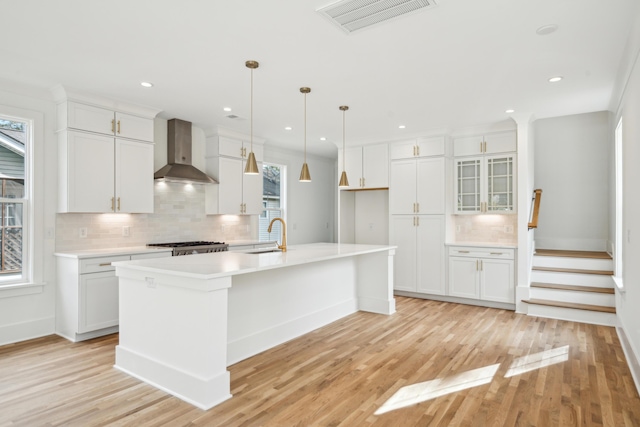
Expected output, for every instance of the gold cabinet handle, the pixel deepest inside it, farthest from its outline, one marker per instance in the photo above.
(495, 253)
(118, 203)
(481, 266)
(113, 208)
(414, 221)
(418, 221)
(476, 265)
(414, 151)
(418, 149)
(362, 182)
(418, 207)
(463, 252)
(485, 146)
(104, 264)
(481, 146)
(118, 126)
(113, 125)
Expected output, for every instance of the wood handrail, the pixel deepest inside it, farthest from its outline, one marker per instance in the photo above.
(535, 208)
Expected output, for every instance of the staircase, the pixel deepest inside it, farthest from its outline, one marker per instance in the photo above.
(573, 285)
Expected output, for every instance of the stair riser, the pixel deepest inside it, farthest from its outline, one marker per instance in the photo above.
(577, 263)
(584, 316)
(572, 279)
(591, 298)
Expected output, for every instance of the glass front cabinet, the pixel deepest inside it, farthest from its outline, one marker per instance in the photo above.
(485, 184)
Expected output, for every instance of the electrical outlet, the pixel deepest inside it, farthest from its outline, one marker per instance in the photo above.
(126, 231)
(82, 232)
(51, 233)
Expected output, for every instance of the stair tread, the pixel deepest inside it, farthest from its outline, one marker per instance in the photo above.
(574, 270)
(574, 305)
(572, 254)
(573, 287)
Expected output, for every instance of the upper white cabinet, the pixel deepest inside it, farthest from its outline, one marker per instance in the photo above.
(74, 115)
(236, 193)
(421, 147)
(417, 186)
(367, 167)
(105, 159)
(485, 184)
(491, 143)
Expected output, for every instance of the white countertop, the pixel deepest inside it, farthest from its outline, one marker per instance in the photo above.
(95, 253)
(483, 245)
(223, 264)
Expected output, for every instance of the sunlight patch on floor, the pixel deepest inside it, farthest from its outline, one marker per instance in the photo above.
(531, 362)
(416, 393)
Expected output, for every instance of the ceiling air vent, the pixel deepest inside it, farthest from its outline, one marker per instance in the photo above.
(354, 15)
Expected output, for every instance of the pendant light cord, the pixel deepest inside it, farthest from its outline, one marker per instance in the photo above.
(305, 127)
(343, 145)
(251, 110)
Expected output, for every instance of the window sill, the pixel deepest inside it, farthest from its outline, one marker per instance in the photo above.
(21, 289)
(617, 280)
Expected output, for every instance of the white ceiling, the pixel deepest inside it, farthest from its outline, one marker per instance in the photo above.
(461, 63)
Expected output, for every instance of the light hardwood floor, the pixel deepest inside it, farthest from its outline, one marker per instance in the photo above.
(565, 374)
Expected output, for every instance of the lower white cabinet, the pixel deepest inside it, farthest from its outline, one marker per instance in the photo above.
(419, 260)
(87, 294)
(482, 273)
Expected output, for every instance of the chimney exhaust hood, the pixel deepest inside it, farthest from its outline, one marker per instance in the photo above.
(179, 167)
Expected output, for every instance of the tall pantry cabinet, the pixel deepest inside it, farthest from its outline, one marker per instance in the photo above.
(417, 206)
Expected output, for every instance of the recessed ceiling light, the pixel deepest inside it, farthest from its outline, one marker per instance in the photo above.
(146, 84)
(227, 108)
(288, 128)
(323, 139)
(401, 127)
(555, 79)
(546, 29)
(509, 111)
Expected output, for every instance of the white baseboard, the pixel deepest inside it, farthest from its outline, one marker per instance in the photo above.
(250, 345)
(632, 357)
(596, 245)
(23, 331)
(205, 393)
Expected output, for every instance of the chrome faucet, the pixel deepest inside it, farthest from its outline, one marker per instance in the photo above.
(283, 246)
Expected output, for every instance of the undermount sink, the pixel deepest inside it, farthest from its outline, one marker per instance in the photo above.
(264, 251)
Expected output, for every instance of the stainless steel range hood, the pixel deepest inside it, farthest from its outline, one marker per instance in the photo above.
(179, 166)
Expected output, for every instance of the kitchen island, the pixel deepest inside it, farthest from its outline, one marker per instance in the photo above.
(184, 319)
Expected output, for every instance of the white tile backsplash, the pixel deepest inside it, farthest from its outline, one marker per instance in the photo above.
(179, 215)
(501, 229)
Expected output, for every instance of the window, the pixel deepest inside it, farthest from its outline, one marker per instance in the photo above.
(14, 140)
(273, 201)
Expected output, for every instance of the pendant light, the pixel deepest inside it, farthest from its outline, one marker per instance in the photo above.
(252, 166)
(305, 176)
(344, 182)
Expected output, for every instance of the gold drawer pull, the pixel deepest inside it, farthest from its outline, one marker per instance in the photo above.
(463, 252)
(495, 253)
(104, 264)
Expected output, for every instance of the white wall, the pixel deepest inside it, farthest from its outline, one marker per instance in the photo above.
(572, 169)
(310, 205)
(627, 303)
(32, 315)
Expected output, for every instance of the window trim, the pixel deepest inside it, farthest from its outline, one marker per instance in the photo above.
(31, 280)
(283, 194)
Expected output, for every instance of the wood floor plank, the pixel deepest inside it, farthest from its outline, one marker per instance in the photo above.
(577, 288)
(341, 374)
(574, 270)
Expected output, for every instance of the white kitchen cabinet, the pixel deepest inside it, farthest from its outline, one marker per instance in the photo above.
(491, 143)
(101, 174)
(420, 258)
(485, 274)
(105, 155)
(74, 115)
(87, 294)
(237, 193)
(367, 167)
(420, 147)
(485, 184)
(417, 186)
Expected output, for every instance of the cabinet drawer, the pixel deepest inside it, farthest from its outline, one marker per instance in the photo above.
(498, 253)
(96, 265)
